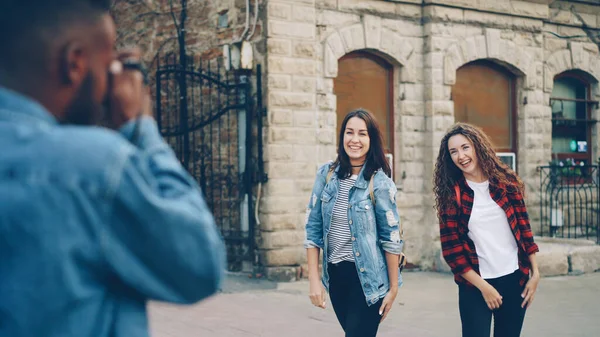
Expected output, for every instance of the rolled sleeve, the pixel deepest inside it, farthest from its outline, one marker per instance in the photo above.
(386, 214)
(518, 203)
(532, 249)
(312, 244)
(313, 220)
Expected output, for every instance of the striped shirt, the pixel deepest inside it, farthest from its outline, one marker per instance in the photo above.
(339, 234)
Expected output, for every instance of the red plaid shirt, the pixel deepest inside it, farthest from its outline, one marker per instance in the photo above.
(459, 250)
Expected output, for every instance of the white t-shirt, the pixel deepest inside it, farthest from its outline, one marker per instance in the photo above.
(490, 231)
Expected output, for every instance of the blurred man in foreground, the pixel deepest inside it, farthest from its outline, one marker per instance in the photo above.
(92, 225)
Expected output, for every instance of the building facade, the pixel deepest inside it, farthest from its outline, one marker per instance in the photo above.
(525, 71)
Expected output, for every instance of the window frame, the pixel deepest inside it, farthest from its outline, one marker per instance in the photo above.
(587, 156)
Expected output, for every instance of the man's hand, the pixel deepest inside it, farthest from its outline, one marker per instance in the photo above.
(128, 98)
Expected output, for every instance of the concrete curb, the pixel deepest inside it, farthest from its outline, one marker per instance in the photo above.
(567, 256)
(556, 257)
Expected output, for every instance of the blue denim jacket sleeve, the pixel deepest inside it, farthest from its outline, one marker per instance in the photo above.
(314, 217)
(161, 238)
(386, 214)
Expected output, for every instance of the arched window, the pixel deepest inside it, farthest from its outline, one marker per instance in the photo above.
(366, 81)
(571, 118)
(484, 95)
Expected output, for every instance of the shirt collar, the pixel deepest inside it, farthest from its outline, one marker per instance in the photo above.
(17, 107)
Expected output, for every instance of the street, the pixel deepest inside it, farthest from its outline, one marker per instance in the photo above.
(426, 306)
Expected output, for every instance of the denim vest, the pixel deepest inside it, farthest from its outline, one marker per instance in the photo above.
(375, 228)
(92, 226)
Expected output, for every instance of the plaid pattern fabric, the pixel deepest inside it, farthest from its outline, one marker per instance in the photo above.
(459, 250)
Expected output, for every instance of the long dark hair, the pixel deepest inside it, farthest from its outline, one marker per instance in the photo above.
(447, 174)
(375, 156)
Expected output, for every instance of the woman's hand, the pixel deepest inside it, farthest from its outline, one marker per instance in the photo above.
(317, 293)
(491, 296)
(529, 292)
(386, 305)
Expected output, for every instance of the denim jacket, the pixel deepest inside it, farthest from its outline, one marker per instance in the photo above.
(92, 226)
(375, 229)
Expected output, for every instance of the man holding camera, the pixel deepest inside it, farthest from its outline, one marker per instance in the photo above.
(94, 222)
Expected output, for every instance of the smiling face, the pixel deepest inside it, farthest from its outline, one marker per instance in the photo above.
(464, 157)
(356, 140)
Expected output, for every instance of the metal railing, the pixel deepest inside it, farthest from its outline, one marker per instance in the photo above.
(569, 202)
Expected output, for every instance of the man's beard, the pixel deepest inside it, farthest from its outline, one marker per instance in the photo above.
(83, 110)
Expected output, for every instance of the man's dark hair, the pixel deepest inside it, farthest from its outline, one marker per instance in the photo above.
(28, 27)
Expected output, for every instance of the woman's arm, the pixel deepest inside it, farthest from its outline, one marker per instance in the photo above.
(392, 269)
(316, 289)
(314, 238)
(531, 286)
(518, 203)
(388, 230)
(387, 219)
(314, 218)
(452, 247)
(490, 294)
(534, 265)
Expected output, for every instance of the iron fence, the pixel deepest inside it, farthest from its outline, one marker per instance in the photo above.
(208, 117)
(569, 202)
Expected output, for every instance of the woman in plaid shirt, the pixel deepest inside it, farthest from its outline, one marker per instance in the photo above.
(485, 233)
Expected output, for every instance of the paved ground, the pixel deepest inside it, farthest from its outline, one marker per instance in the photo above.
(565, 306)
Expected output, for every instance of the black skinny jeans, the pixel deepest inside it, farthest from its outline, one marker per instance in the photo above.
(349, 303)
(476, 317)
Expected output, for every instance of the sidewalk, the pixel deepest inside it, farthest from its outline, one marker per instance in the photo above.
(565, 306)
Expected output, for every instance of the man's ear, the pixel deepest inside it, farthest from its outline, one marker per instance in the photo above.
(74, 64)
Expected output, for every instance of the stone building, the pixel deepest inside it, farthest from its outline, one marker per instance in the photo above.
(526, 71)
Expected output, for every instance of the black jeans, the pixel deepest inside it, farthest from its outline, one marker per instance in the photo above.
(349, 303)
(476, 317)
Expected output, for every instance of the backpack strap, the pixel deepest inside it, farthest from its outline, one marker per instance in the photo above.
(372, 190)
(457, 191)
(328, 177)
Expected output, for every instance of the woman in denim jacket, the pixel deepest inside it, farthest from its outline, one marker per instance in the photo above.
(360, 237)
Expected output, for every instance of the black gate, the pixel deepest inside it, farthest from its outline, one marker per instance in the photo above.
(570, 201)
(208, 117)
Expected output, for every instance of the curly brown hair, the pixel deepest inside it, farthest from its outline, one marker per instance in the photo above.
(447, 174)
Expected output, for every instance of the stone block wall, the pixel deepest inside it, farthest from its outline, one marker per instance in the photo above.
(292, 145)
